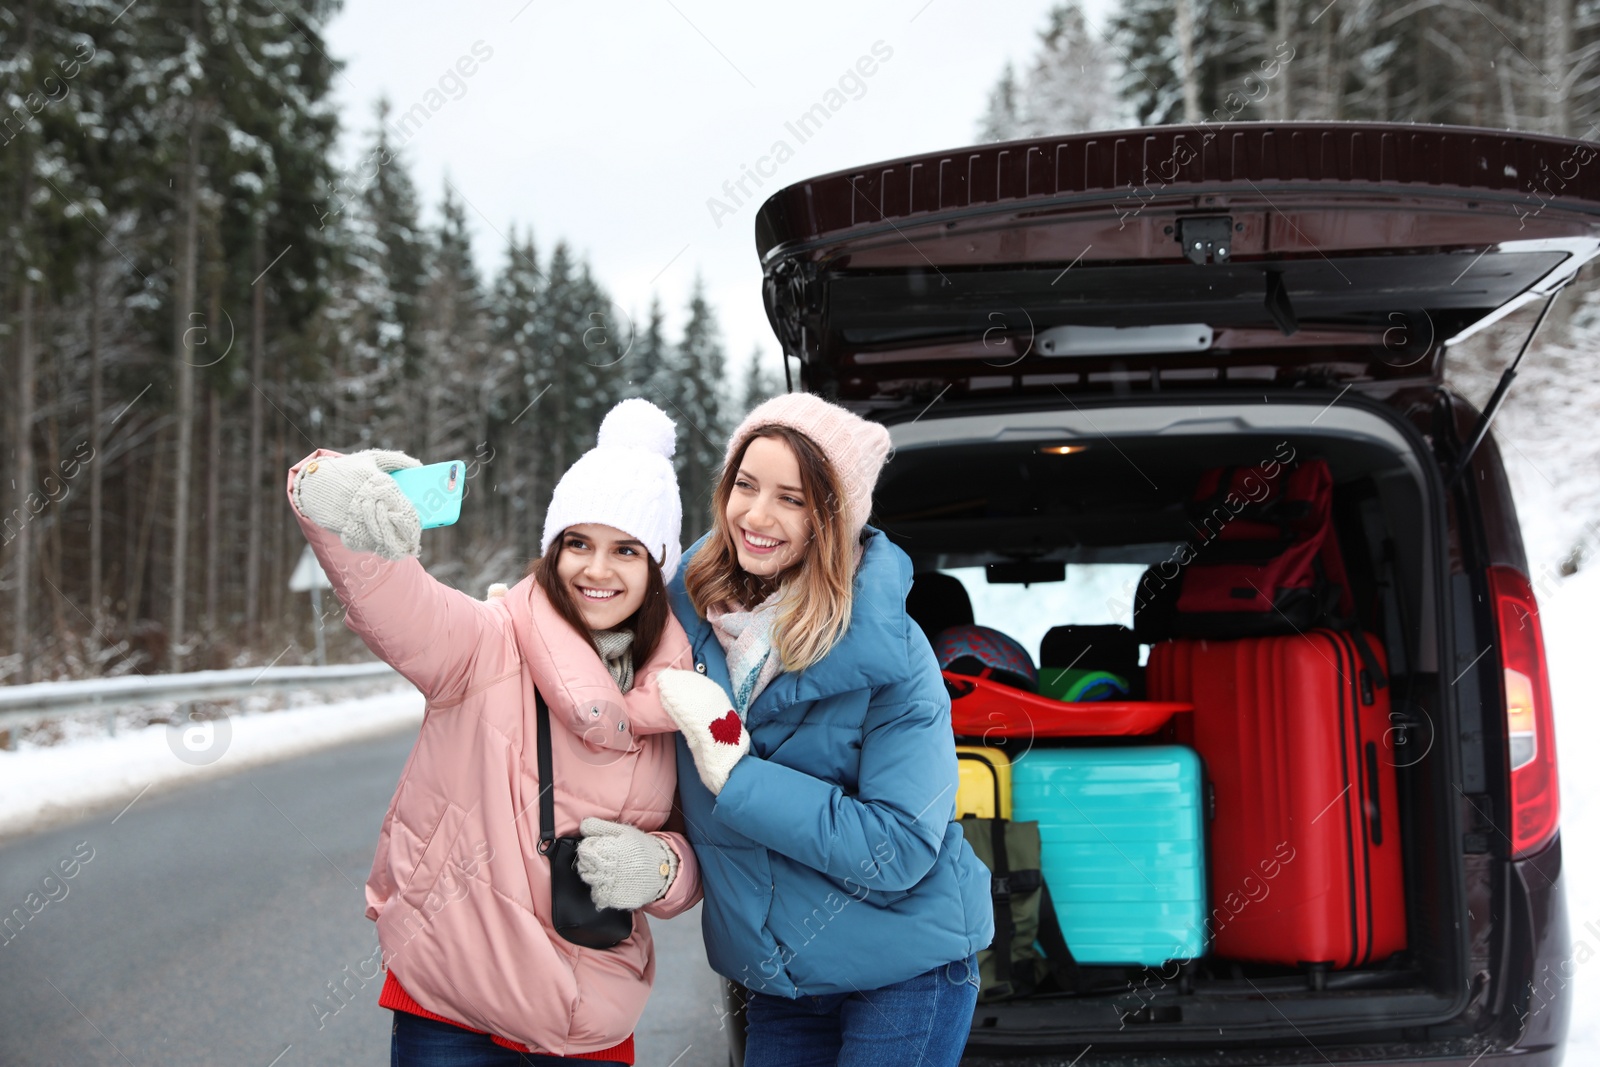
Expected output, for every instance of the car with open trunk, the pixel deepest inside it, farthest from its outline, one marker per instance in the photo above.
(1062, 335)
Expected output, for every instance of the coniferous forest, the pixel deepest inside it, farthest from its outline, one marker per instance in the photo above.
(193, 295)
(1530, 65)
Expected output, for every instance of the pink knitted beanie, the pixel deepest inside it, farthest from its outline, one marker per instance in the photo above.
(854, 447)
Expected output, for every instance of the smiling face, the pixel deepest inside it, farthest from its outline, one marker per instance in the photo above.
(768, 515)
(605, 572)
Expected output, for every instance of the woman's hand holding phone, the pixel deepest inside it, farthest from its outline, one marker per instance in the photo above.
(435, 491)
(355, 497)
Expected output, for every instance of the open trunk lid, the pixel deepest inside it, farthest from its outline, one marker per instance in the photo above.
(1249, 253)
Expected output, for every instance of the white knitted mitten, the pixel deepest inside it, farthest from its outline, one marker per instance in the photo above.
(716, 736)
(354, 497)
(624, 866)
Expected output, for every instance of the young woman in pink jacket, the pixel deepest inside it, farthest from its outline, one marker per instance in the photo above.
(460, 890)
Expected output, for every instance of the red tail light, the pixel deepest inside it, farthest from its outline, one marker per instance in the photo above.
(1530, 721)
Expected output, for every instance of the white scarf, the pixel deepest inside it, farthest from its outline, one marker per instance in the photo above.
(746, 638)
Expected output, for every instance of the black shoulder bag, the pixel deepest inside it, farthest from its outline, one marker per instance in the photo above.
(572, 909)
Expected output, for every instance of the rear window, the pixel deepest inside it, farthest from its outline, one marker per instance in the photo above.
(1093, 594)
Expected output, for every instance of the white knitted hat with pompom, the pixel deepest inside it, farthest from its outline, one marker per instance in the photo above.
(626, 480)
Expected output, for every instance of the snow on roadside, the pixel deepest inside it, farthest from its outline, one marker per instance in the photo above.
(43, 785)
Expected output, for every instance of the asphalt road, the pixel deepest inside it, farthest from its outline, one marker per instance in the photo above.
(198, 927)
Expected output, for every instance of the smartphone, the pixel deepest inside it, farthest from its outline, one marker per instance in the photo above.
(435, 491)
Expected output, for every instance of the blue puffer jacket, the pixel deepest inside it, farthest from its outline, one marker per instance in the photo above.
(831, 860)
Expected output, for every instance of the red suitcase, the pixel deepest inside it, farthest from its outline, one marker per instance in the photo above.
(1305, 841)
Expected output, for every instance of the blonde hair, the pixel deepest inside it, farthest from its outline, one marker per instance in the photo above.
(817, 593)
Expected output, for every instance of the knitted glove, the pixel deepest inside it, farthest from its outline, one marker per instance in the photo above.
(716, 736)
(624, 866)
(354, 497)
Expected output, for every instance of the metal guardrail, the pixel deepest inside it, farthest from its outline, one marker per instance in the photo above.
(24, 704)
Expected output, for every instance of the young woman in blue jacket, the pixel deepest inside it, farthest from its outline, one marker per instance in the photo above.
(817, 767)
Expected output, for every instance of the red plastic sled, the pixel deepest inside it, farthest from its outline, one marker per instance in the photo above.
(980, 707)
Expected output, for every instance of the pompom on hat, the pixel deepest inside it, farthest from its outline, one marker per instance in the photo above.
(854, 447)
(627, 481)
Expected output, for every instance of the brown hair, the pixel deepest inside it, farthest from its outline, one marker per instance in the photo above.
(818, 591)
(647, 624)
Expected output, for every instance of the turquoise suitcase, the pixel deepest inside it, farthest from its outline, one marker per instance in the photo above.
(1123, 848)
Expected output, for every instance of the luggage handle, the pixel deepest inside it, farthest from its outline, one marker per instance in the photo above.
(994, 773)
(1371, 675)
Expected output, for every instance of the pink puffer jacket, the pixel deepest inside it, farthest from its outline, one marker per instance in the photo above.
(459, 890)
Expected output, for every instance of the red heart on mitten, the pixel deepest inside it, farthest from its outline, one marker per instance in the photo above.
(725, 731)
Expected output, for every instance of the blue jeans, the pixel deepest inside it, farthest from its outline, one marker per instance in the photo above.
(419, 1042)
(921, 1022)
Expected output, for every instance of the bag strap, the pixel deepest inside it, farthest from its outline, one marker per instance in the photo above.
(547, 792)
(1368, 660)
(1000, 888)
(1063, 965)
(1394, 608)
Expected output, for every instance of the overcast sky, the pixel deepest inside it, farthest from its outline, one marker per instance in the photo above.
(612, 124)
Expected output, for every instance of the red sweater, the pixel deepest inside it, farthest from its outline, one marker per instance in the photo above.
(396, 998)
